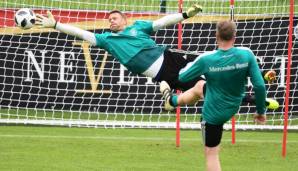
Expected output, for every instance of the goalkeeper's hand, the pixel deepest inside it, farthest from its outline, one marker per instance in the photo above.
(193, 10)
(46, 22)
(270, 76)
(259, 119)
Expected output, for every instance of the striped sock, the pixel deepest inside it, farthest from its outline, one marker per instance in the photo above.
(174, 100)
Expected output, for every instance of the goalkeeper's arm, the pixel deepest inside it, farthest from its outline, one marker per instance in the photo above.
(50, 22)
(176, 18)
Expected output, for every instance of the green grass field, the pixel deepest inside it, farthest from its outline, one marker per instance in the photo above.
(60, 148)
(56, 148)
(210, 6)
(11, 113)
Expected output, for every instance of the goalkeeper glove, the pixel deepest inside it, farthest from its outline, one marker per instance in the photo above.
(46, 22)
(270, 76)
(193, 10)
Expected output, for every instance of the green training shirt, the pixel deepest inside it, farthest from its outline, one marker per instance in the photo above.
(133, 46)
(226, 73)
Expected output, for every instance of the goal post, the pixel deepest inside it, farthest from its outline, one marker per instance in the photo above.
(50, 78)
(290, 45)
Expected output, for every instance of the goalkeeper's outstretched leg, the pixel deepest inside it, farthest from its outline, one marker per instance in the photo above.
(195, 90)
(196, 93)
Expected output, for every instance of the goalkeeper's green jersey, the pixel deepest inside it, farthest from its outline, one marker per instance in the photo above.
(226, 73)
(133, 46)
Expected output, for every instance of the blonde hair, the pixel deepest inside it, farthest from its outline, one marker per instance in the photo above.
(226, 30)
(118, 12)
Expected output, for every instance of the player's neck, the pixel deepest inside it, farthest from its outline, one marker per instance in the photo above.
(119, 30)
(225, 45)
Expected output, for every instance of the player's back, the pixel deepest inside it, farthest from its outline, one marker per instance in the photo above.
(226, 75)
(228, 70)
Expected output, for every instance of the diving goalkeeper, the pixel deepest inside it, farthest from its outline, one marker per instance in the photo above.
(133, 47)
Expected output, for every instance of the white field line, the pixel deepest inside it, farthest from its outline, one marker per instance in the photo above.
(137, 138)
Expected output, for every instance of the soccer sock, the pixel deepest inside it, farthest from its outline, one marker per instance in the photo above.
(174, 100)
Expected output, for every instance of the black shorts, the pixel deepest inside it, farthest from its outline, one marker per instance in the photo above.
(211, 134)
(173, 62)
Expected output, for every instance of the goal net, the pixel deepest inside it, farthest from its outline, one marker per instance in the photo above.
(50, 78)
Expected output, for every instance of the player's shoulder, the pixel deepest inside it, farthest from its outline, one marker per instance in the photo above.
(107, 33)
(208, 54)
(244, 49)
(102, 35)
(142, 22)
(142, 25)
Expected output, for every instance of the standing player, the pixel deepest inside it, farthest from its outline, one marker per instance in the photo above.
(133, 47)
(226, 70)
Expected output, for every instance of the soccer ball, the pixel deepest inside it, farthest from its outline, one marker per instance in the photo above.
(25, 18)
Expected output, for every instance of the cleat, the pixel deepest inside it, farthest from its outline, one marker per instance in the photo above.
(198, 7)
(165, 90)
(270, 76)
(272, 104)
